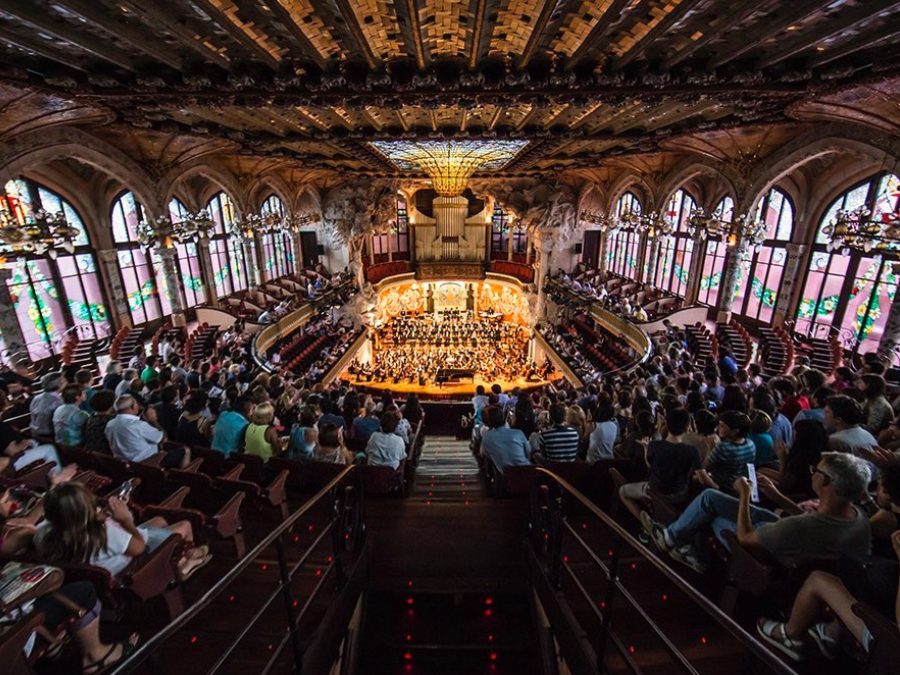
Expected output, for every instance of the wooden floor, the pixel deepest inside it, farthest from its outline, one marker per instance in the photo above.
(451, 389)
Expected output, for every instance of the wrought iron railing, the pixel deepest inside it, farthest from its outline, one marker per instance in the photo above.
(347, 532)
(550, 532)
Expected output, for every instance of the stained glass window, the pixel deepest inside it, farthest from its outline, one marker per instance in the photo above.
(226, 251)
(851, 292)
(188, 261)
(624, 247)
(52, 296)
(715, 250)
(675, 251)
(278, 246)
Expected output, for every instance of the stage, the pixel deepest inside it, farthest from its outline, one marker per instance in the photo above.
(450, 390)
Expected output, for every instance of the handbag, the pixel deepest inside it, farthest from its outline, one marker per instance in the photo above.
(21, 583)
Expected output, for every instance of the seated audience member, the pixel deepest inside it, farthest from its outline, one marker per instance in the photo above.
(128, 376)
(845, 415)
(74, 530)
(878, 413)
(671, 461)
(731, 455)
(762, 399)
(45, 404)
(262, 438)
(836, 527)
(385, 448)
(69, 418)
(817, 402)
(135, 440)
(792, 400)
(231, 426)
(504, 446)
(150, 372)
(167, 410)
(22, 451)
(760, 424)
(103, 402)
(194, 427)
(113, 375)
(793, 475)
(364, 427)
(304, 436)
(412, 410)
(560, 442)
(330, 448)
(703, 436)
(326, 407)
(85, 378)
(606, 432)
(886, 519)
(823, 612)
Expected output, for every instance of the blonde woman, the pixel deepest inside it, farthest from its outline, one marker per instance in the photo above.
(262, 437)
(576, 419)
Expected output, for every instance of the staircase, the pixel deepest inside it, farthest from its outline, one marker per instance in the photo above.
(448, 591)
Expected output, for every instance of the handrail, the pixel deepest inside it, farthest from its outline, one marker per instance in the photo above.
(746, 639)
(146, 649)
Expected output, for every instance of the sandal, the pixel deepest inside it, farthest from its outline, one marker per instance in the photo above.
(829, 647)
(793, 649)
(128, 648)
(200, 563)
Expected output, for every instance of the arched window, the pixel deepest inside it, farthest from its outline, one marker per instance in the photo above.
(50, 295)
(225, 249)
(760, 274)
(714, 258)
(504, 228)
(142, 273)
(851, 290)
(188, 261)
(675, 251)
(278, 247)
(396, 238)
(624, 246)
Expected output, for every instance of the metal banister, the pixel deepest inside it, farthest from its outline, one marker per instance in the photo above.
(146, 649)
(747, 640)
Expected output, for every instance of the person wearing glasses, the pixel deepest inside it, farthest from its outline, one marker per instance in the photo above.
(836, 527)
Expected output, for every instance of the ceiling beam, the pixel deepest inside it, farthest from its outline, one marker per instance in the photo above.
(223, 21)
(90, 10)
(774, 24)
(597, 38)
(853, 45)
(537, 32)
(164, 20)
(39, 47)
(481, 35)
(285, 19)
(830, 28)
(408, 20)
(356, 33)
(58, 28)
(731, 18)
(658, 31)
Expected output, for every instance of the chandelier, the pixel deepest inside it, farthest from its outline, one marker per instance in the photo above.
(303, 220)
(602, 221)
(860, 229)
(449, 164)
(264, 224)
(42, 233)
(162, 230)
(703, 224)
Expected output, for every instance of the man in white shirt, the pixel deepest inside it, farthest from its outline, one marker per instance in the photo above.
(45, 404)
(385, 448)
(135, 440)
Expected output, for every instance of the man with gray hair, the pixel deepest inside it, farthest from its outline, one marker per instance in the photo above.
(836, 527)
(45, 404)
(135, 440)
(128, 376)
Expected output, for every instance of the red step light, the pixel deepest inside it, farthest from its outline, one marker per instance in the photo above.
(407, 656)
(194, 640)
(489, 601)
(493, 656)
(409, 638)
(410, 601)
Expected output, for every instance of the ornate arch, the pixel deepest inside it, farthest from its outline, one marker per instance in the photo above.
(684, 172)
(637, 184)
(269, 184)
(224, 179)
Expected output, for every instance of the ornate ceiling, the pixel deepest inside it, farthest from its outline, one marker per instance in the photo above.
(310, 83)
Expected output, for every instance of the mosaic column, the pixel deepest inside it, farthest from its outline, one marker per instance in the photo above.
(652, 259)
(10, 329)
(604, 251)
(789, 279)
(890, 338)
(207, 271)
(172, 289)
(692, 289)
(730, 280)
(256, 261)
(298, 250)
(545, 244)
(110, 260)
(528, 244)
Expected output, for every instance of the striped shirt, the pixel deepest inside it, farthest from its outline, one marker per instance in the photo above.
(560, 444)
(728, 461)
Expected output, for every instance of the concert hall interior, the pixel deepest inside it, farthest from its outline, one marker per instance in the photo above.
(525, 337)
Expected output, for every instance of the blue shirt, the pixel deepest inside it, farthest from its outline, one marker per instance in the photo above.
(364, 427)
(728, 461)
(228, 433)
(765, 449)
(782, 430)
(506, 447)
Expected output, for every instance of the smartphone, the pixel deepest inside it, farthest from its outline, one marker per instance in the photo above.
(754, 484)
(126, 489)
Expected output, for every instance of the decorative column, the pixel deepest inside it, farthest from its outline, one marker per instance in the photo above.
(890, 338)
(356, 264)
(729, 287)
(509, 247)
(528, 245)
(298, 250)
(172, 289)
(789, 278)
(10, 329)
(604, 251)
(695, 272)
(545, 245)
(652, 249)
(209, 274)
(256, 260)
(110, 260)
